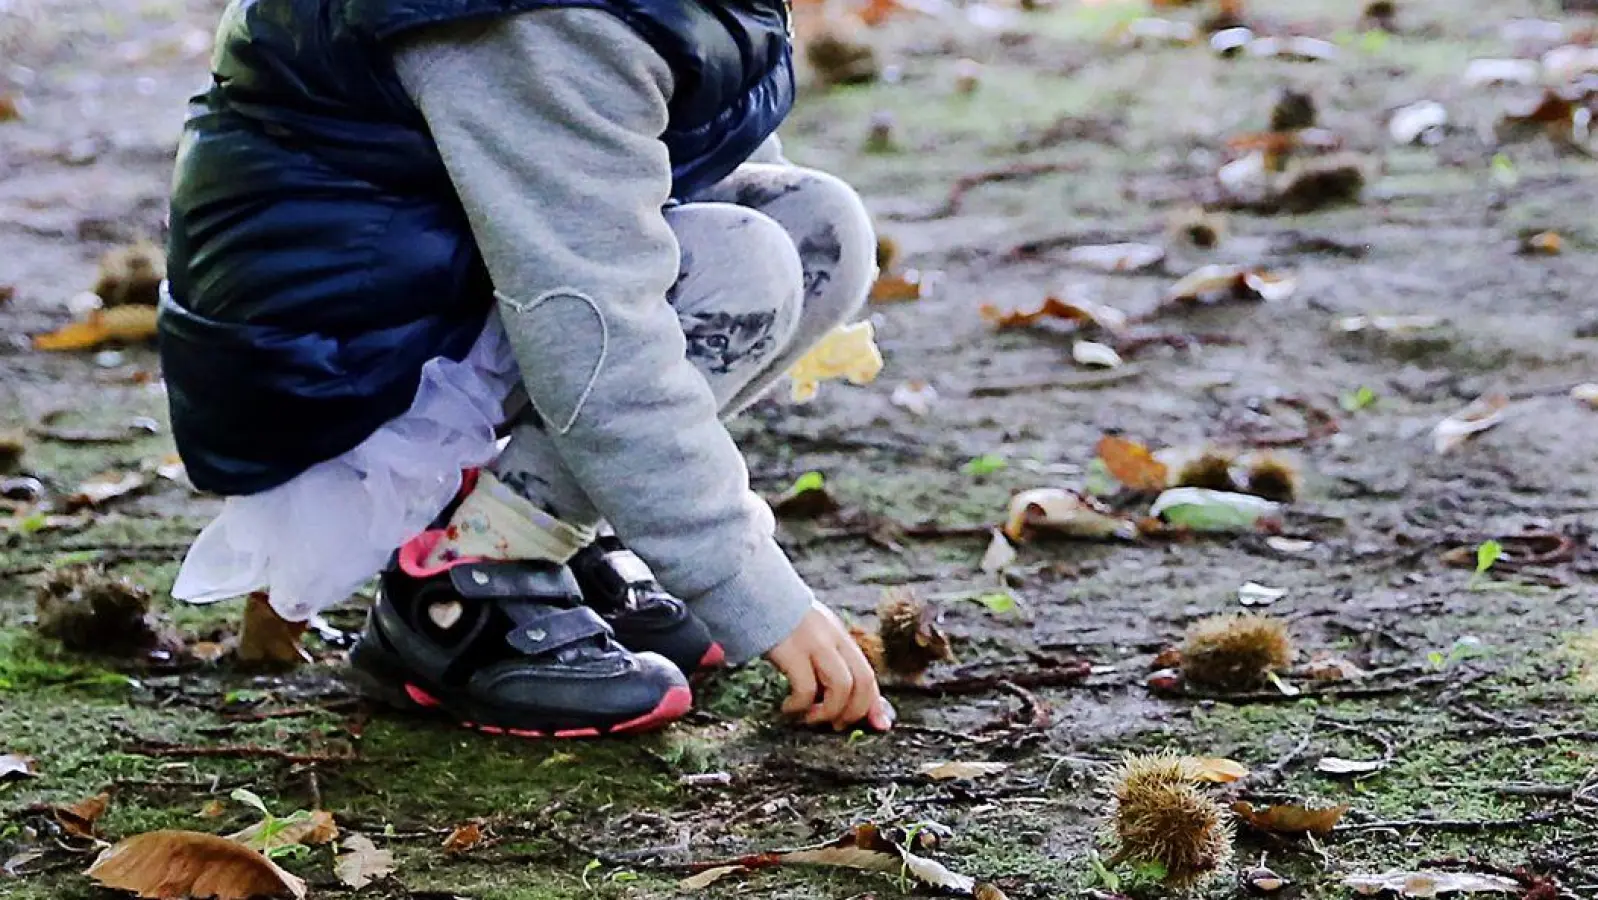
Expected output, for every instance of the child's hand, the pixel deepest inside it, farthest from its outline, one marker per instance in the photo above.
(820, 657)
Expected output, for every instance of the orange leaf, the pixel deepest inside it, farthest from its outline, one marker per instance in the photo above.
(78, 819)
(177, 865)
(1292, 818)
(875, 12)
(1132, 464)
(899, 288)
(1082, 313)
(122, 324)
(463, 838)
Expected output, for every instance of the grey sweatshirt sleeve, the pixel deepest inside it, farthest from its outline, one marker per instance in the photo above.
(549, 124)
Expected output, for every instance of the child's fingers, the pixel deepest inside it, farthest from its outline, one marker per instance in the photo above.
(865, 694)
(837, 684)
(801, 683)
(882, 715)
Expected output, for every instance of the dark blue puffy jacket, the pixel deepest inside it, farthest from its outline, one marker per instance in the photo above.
(318, 256)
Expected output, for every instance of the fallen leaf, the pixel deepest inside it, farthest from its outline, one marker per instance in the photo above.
(1332, 765)
(1219, 771)
(1326, 667)
(13, 866)
(1390, 326)
(78, 820)
(14, 766)
(105, 487)
(960, 771)
(1288, 545)
(849, 351)
(897, 288)
(1295, 47)
(1483, 413)
(464, 838)
(986, 891)
(364, 863)
(1082, 312)
(999, 555)
(1483, 72)
(1255, 594)
(309, 829)
(999, 603)
(1132, 463)
(175, 865)
(868, 849)
(1219, 281)
(1093, 353)
(1290, 818)
(1418, 123)
(209, 651)
(1431, 884)
(212, 810)
(1542, 243)
(1585, 393)
(120, 325)
(1065, 512)
(1117, 257)
(708, 877)
(1203, 510)
(915, 396)
(267, 638)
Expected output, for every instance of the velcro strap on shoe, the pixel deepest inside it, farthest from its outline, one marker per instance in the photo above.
(540, 629)
(631, 569)
(549, 582)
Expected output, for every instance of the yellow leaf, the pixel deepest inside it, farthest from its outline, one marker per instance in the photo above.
(1132, 464)
(268, 638)
(178, 865)
(849, 351)
(122, 324)
(1220, 771)
(1291, 818)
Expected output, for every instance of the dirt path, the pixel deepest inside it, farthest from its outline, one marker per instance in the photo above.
(1479, 707)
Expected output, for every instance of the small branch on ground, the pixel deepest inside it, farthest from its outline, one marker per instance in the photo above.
(966, 183)
(1068, 674)
(1079, 381)
(233, 751)
(1460, 826)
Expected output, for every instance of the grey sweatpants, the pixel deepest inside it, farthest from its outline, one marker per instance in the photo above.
(772, 259)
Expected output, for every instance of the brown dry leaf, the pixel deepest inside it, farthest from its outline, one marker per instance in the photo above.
(1132, 464)
(1082, 312)
(120, 325)
(14, 766)
(463, 838)
(364, 863)
(105, 487)
(961, 771)
(1483, 413)
(213, 810)
(1326, 667)
(315, 828)
(986, 891)
(1291, 818)
(1219, 771)
(1064, 512)
(209, 651)
(708, 877)
(176, 865)
(1217, 282)
(10, 107)
(78, 819)
(267, 638)
(896, 288)
(868, 849)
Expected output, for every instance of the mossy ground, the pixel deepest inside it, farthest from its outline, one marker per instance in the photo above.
(1471, 744)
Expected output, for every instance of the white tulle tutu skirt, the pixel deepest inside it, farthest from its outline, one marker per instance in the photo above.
(315, 540)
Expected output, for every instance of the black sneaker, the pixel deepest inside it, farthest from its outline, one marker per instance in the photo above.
(508, 648)
(621, 588)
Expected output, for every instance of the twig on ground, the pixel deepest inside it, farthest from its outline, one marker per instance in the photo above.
(1463, 826)
(1538, 740)
(966, 183)
(1078, 381)
(1068, 674)
(1272, 774)
(1330, 693)
(233, 751)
